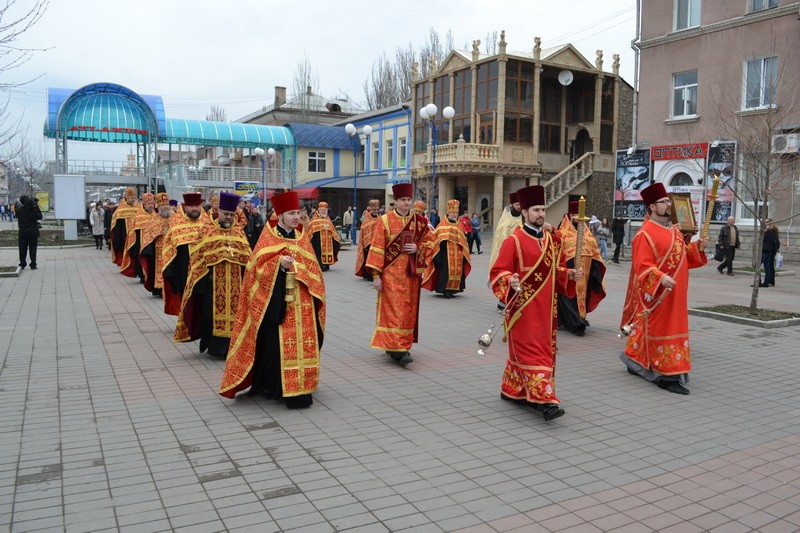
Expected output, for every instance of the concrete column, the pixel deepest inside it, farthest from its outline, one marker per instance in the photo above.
(615, 133)
(452, 82)
(473, 103)
(598, 102)
(472, 194)
(499, 134)
(498, 200)
(537, 103)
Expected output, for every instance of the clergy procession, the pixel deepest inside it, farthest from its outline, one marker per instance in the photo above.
(258, 301)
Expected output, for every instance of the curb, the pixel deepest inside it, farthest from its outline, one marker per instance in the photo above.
(14, 274)
(766, 324)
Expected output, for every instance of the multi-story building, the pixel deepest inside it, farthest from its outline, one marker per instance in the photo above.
(546, 116)
(724, 74)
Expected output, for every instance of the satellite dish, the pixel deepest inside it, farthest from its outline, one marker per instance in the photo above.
(565, 77)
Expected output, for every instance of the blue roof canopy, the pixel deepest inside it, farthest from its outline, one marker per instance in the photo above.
(107, 112)
(203, 132)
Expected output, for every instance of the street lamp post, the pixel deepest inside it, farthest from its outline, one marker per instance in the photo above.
(260, 153)
(351, 130)
(428, 115)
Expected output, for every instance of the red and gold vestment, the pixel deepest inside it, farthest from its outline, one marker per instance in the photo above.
(452, 259)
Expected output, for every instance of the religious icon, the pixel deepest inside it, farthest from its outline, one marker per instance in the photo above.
(683, 213)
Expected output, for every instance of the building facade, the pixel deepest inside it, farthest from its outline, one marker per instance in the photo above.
(721, 73)
(547, 116)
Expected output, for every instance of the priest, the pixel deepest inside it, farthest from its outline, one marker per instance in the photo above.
(447, 271)
(185, 231)
(324, 239)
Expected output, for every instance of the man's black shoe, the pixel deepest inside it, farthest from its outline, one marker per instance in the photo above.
(719, 270)
(405, 359)
(672, 386)
(730, 273)
(631, 372)
(396, 356)
(551, 412)
(33, 267)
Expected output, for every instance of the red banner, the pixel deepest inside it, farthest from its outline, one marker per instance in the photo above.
(679, 151)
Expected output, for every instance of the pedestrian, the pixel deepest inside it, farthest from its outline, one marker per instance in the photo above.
(347, 221)
(3, 214)
(255, 224)
(769, 249)
(324, 238)
(108, 216)
(96, 216)
(450, 264)
(433, 218)
(397, 258)
(589, 291)
(594, 223)
(211, 296)
(28, 217)
(602, 234)
(476, 232)
(729, 239)
(11, 212)
(280, 319)
(655, 317)
(527, 275)
(618, 234)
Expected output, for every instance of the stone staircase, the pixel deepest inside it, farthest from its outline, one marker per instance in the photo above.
(565, 181)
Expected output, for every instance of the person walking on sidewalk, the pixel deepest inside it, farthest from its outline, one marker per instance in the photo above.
(618, 233)
(96, 216)
(729, 239)
(655, 317)
(28, 217)
(529, 272)
(476, 233)
(769, 249)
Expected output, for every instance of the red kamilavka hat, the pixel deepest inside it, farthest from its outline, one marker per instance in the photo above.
(530, 196)
(192, 198)
(512, 198)
(574, 207)
(403, 190)
(654, 193)
(285, 201)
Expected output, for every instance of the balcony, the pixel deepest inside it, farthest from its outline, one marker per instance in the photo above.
(466, 158)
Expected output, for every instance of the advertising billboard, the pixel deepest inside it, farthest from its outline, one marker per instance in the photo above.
(632, 175)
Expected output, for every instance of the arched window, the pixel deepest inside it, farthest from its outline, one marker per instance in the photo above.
(681, 179)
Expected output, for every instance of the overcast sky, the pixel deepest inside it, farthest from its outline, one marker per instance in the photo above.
(206, 52)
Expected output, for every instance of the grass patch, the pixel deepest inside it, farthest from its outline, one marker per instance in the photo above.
(47, 237)
(744, 312)
(4, 270)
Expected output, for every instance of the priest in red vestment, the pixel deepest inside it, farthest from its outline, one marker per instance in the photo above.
(324, 239)
(450, 265)
(397, 258)
(368, 219)
(527, 275)
(131, 267)
(186, 230)
(122, 224)
(280, 320)
(151, 255)
(655, 317)
(211, 296)
(589, 291)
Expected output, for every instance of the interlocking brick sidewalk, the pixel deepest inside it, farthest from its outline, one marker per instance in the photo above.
(106, 424)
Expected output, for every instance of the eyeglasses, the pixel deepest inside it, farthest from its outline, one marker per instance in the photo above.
(667, 201)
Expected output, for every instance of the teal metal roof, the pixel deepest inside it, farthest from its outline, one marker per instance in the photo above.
(203, 132)
(107, 112)
(104, 112)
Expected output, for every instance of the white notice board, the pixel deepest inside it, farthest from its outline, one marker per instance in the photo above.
(69, 197)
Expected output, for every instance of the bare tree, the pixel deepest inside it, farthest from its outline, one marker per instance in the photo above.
(390, 81)
(27, 162)
(772, 103)
(12, 26)
(217, 114)
(305, 85)
(490, 46)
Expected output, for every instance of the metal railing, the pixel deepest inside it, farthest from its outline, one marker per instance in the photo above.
(562, 183)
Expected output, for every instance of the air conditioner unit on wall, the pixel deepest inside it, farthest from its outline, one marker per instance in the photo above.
(786, 143)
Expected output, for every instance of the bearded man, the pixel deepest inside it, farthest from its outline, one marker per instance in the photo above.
(215, 276)
(131, 267)
(324, 238)
(185, 231)
(151, 256)
(122, 224)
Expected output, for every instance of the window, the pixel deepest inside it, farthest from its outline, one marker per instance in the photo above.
(402, 147)
(760, 5)
(389, 154)
(316, 161)
(376, 153)
(681, 179)
(687, 14)
(760, 83)
(684, 94)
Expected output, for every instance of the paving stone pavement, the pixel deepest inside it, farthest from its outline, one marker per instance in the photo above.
(108, 425)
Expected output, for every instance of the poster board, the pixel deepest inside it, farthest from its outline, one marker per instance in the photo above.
(69, 197)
